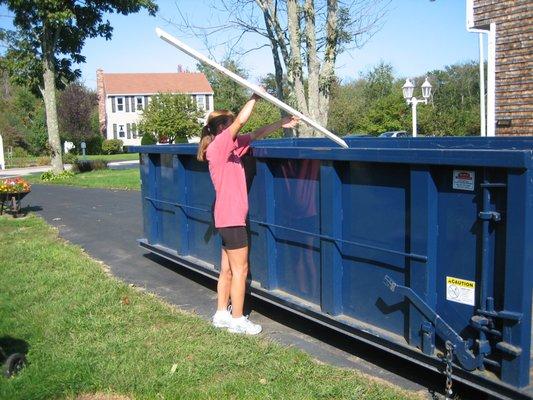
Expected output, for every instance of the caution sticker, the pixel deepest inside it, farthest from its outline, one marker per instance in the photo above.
(463, 180)
(460, 290)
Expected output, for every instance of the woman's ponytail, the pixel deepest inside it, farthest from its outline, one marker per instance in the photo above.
(210, 130)
(205, 140)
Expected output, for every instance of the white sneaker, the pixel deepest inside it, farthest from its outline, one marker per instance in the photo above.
(244, 325)
(222, 319)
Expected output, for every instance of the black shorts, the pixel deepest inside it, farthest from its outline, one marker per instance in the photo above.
(233, 237)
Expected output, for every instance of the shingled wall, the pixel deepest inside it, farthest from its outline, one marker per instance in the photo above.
(514, 61)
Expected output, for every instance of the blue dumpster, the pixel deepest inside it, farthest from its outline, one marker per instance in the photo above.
(411, 245)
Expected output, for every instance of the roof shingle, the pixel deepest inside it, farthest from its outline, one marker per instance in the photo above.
(151, 83)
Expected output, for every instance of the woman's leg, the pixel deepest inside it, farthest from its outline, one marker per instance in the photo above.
(224, 282)
(238, 262)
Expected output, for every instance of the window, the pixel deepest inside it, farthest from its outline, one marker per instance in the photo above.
(139, 103)
(121, 131)
(200, 102)
(120, 103)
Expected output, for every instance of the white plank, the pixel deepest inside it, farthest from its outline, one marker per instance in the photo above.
(243, 82)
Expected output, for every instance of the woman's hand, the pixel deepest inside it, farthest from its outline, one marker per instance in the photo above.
(255, 96)
(290, 121)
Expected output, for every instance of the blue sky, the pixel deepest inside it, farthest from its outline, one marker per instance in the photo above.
(417, 36)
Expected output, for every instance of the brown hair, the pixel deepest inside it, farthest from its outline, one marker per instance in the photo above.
(209, 131)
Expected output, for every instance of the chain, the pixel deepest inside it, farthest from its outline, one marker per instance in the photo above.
(448, 360)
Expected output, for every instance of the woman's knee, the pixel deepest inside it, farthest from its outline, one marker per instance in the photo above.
(225, 272)
(240, 269)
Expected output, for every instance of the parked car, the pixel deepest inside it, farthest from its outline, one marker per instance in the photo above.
(395, 134)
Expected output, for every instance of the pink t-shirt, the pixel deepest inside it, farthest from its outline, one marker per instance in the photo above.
(227, 173)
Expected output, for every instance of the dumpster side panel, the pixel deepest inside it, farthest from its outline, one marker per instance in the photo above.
(459, 246)
(518, 276)
(168, 230)
(144, 160)
(375, 207)
(204, 242)
(151, 192)
(256, 216)
(296, 187)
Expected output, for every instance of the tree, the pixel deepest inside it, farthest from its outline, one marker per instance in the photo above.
(22, 119)
(305, 39)
(454, 108)
(76, 109)
(229, 95)
(49, 37)
(171, 117)
(264, 113)
(347, 107)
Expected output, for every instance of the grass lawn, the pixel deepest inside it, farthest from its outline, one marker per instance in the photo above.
(126, 179)
(113, 157)
(88, 333)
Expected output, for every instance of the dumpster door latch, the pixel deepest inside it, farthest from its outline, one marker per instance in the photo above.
(490, 216)
(467, 359)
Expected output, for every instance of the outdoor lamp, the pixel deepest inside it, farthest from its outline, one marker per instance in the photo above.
(408, 89)
(426, 89)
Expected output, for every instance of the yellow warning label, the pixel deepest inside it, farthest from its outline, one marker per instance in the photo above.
(460, 290)
(460, 282)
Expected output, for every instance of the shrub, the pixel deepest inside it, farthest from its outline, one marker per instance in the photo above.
(88, 165)
(94, 144)
(70, 158)
(112, 146)
(43, 160)
(19, 152)
(50, 176)
(148, 139)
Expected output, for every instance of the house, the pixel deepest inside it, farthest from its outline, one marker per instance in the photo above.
(510, 62)
(122, 97)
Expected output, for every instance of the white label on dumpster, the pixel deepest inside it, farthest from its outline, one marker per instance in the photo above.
(460, 290)
(463, 180)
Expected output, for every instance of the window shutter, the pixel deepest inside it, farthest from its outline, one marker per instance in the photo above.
(207, 102)
(128, 130)
(133, 107)
(114, 130)
(145, 101)
(127, 101)
(134, 130)
(113, 104)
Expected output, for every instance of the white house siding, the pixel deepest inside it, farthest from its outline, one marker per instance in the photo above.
(121, 119)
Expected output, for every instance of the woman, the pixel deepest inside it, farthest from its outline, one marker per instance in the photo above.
(222, 147)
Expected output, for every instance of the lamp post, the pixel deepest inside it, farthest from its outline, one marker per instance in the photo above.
(408, 89)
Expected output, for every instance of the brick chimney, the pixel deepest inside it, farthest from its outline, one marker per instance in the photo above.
(100, 90)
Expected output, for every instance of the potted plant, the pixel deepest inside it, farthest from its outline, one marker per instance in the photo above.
(12, 191)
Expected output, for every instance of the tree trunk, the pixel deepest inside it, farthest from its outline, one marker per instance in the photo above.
(294, 63)
(50, 105)
(274, 46)
(313, 65)
(327, 71)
